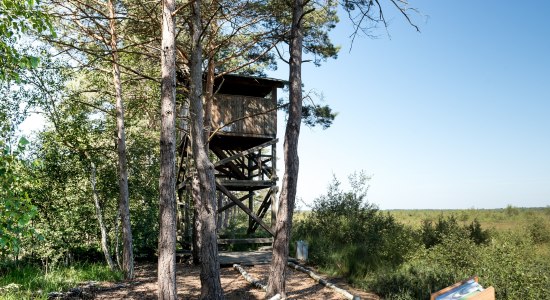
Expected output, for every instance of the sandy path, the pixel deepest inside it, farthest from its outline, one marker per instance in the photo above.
(299, 285)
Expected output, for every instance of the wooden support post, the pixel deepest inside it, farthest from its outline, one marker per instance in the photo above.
(251, 207)
(274, 200)
(219, 218)
(250, 194)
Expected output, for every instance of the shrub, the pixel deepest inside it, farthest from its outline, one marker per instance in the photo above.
(349, 236)
(539, 231)
(511, 211)
(476, 234)
(507, 263)
(433, 234)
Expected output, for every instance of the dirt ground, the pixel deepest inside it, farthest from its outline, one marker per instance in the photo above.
(299, 285)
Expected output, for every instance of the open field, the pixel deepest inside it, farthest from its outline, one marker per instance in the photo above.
(509, 218)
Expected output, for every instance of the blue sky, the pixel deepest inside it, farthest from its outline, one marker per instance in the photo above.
(457, 116)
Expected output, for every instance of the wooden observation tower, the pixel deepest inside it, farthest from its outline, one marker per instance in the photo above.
(243, 146)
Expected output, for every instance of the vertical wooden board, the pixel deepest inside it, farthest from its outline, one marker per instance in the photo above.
(257, 116)
(238, 106)
(264, 120)
(271, 118)
(227, 109)
(252, 106)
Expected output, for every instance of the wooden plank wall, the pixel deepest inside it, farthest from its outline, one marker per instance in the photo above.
(228, 108)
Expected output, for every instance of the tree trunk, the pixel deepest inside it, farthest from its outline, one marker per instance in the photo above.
(124, 204)
(287, 198)
(167, 184)
(195, 252)
(117, 240)
(99, 214)
(206, 202)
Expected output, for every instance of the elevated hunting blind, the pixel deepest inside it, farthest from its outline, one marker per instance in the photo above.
(242, 146)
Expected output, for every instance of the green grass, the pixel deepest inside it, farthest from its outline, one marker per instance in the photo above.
(30, 282)
(509, 218)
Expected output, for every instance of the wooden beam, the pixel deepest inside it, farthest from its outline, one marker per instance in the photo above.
(247, 183)
(245, 241)
(246, 152)
(232, 197)
(231, 204)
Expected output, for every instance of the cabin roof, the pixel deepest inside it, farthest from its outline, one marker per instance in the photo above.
(233, 84)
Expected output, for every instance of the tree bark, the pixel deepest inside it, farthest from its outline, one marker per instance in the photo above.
(124, 203)
(99, 215)
(167, 184)
(206, 202)
(287, 198)
(117, 240)
(195, 252)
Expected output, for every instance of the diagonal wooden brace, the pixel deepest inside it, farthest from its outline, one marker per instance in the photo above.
(231, 204)
(247, 210)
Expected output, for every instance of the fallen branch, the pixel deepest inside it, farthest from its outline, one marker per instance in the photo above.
(255, 282)
(324, 282)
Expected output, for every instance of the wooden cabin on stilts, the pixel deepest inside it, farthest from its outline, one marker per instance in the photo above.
(243, 151)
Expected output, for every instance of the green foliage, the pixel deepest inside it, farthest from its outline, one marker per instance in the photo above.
(539, 231)
(511, 211)
(349, 236)
(477, 234)
(433, 255)
(317, 23)
(19, 17)
(434, 233)
(28, 281)
(16, 209)
(507, 263)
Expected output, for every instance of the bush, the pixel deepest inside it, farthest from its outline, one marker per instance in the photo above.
(539, 231)
(348, 236)
(510, 265)
(511, 211)
(507, 263)
(433, 234)
(478, 235)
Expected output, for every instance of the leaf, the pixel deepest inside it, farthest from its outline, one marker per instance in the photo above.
(23, 141)
(34, 61)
